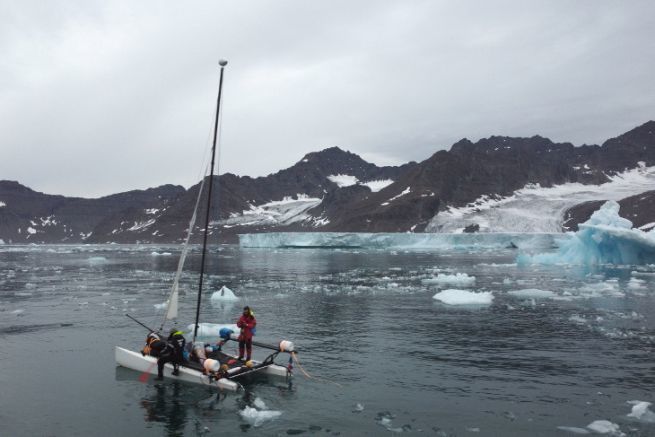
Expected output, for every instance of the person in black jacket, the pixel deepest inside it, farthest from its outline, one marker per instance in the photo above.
(177, 341)
(162, 350)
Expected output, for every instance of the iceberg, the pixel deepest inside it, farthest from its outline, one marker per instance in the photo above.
(606, 238)
(224, 294)
(407, 241)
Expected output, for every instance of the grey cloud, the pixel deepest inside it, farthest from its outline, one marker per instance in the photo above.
(102, 97)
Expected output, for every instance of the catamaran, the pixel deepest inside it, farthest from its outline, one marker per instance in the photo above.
(189, 370)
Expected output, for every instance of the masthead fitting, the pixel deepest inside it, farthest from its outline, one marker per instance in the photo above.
(222, 62)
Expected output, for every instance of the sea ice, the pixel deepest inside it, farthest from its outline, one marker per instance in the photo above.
(97, 260)
(606, 238)
(458, 280)
(224, 294)
(573, 429)
(641, 412)
(256, 417)
(532, 293)
(464, 297)
(161, 306)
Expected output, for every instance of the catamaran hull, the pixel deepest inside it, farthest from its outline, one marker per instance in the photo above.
(136, 361)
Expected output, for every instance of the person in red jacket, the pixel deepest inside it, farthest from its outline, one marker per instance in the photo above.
(247, 324)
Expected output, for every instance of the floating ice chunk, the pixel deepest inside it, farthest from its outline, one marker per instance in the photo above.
(458, 280)
(18, 312)
(606, 238)
(532, 293)
(161, 306)
(161, 254)
(636, 284)
(224, 294)
(605, 427)
(259, 403)
(256, 417)
(464, 297)
(211, 329)
(573, 429)
(97, 260)
(641, 412)
(358, 408)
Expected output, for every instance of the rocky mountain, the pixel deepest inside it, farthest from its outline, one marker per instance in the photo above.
(335, 190)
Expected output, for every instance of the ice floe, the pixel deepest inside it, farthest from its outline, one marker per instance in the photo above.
(458, 280)
(257, 417)
(606, 238)
(532, 293)
(97, 260)
(605, 427)
(464, 297)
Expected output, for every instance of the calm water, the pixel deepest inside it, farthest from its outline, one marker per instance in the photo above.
(386, 357)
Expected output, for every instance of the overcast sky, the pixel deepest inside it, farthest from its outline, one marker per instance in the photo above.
(101, 97)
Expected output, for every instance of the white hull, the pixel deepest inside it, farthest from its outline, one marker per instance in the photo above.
(136, 361)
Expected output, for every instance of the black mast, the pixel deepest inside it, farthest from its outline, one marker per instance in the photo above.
(222, 63)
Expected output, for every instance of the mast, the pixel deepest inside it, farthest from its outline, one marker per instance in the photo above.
(222, 63)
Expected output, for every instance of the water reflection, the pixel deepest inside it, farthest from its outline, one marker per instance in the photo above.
(166, 406)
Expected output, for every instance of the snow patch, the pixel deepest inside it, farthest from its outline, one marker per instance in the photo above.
(277, 212)
(343, 180)
(141, 225)
(377, 185)
(404, 192)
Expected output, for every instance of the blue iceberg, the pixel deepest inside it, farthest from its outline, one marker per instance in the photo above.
(606, 238)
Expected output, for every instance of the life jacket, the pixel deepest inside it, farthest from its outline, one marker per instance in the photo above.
(177, 340)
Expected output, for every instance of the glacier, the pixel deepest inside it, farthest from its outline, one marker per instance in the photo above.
(407, 241)
(606, 238)
(540, 209)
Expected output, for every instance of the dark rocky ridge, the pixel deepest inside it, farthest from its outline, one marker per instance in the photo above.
(494, 166)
